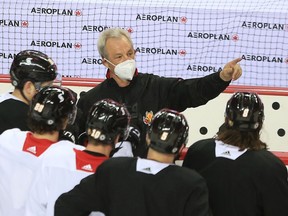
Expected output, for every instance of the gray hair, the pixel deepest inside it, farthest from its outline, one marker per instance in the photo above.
(111, 33)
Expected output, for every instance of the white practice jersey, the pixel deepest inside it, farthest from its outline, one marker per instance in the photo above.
(60, 171)
(20, 156)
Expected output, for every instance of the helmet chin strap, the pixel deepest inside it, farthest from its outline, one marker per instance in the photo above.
(114, 150)
(20, 86)
(23, 95)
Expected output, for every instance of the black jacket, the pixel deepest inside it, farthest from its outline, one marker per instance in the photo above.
(148, 93)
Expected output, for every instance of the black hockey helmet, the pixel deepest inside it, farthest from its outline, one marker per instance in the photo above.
(168, 131)
(244, 111)
(106, 120)
(32, 65)
(53, 103)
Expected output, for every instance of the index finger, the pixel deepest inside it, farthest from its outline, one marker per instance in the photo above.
(235, 61)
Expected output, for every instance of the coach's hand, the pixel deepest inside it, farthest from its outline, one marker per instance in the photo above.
(231, 71)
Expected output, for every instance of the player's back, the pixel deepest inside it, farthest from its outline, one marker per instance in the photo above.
(16, 168)
(13, 113)
(155, 188)
(240, 182)
(70, 164)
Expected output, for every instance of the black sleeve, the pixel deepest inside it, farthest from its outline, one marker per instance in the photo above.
(195, 92)
(79, 201)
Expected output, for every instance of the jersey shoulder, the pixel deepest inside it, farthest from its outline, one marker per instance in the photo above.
(13, 138)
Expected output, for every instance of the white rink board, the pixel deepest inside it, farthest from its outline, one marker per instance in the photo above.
(211, 116)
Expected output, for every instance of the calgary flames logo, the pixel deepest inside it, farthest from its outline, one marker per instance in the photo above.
(148, 118)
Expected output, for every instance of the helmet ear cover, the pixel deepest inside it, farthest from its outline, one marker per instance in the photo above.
(244, 111)
(168, 131)
(106, 120)
(32, 65)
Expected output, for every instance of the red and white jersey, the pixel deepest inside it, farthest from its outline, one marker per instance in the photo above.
(20, 156)
(61, 170)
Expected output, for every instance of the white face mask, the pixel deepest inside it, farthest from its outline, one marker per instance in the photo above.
(125, 70)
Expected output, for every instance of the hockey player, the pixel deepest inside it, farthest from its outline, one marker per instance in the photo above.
(21, 151)
(243, 178)
(64, 167)
(135, 186)
(30, 71)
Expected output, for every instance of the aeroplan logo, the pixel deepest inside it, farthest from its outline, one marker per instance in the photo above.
(56, 11)
(160, 51)
(95, 28)
(14, 23)
(161, 18)
(56, 44)
(4, 55)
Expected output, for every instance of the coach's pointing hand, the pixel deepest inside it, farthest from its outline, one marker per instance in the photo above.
(232, 70)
